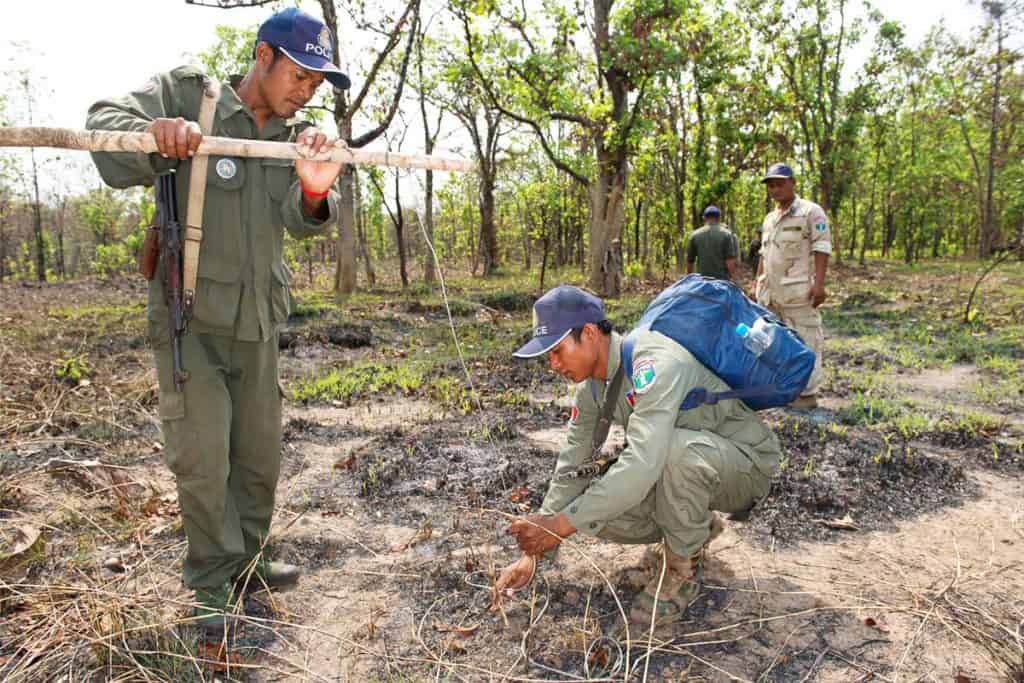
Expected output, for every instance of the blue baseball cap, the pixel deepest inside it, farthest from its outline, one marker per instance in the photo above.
(712, 211)
(305, 40)
(777, 171)
(556, 314)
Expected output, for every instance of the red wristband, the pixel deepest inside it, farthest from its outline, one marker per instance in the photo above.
(314, 195)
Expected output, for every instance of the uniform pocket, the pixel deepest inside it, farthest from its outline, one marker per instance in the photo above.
(172, 405)
(220, 254)
(216, 302)
(280, 292)
(180, 454)
(795, 291)
(280, 174)
(791, 242)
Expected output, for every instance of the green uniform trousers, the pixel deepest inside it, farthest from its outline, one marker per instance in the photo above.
(223, 444)
(703, 472)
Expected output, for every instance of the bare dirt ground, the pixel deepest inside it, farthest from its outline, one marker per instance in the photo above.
(891, 548)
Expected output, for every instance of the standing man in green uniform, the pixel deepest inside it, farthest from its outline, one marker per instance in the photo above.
(713, 247)
(790, 282)
(223, 431)
(678, 466)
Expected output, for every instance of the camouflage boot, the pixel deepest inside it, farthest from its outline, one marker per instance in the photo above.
(680, 586)
(650, 563)
(214, 612)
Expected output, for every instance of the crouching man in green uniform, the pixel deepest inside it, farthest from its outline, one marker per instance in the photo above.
(223, 431)
(677, 469)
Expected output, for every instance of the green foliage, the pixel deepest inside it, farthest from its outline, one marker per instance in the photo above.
(358, 382)
(867, 410)
(453, 394)
(72, 369)
(99, 211)
(112, 260)
(231, 53)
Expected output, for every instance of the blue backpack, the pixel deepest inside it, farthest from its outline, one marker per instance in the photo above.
(701, 314)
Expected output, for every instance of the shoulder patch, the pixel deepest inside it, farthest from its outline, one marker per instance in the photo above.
(820, 226)
(643, 375)
(631, 399)
(574, 414)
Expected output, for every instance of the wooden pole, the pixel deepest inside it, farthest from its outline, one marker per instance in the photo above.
(118, 141)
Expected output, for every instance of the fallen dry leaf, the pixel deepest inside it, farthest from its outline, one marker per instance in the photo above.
(519, 495)
(871, 623)
(460, 631)
(345, 463)
(15, 541)
(844, 524)
(216, 657)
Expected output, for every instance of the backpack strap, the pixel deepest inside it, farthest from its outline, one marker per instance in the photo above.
(197, 197)
(604, 422)
(698, 396)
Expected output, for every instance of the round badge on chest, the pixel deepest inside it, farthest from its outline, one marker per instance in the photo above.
(227, 169)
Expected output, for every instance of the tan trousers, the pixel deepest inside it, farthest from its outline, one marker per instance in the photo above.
(704, 472)
(806, 320)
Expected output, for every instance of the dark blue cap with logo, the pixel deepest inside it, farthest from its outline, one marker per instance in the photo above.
(305, 40)
(712, 211)
(778, 171)
(556, 314)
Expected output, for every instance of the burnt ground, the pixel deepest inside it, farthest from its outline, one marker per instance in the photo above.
(889, 548)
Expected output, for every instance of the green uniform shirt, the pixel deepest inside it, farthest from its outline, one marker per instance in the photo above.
(243, 282)
(710, 246)
(663, 373)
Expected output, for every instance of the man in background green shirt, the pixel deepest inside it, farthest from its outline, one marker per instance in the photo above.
(713, 248)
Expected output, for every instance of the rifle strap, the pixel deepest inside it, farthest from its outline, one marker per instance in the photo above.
(197, 198)
(604, 423)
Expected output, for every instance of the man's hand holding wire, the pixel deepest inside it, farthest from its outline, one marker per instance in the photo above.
(538, 534)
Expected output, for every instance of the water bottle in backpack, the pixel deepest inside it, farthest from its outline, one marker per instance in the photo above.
(758, 338)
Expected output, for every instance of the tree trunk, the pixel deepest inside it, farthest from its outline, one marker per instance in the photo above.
(607, 214)
(399, 221)
(544, 260)
(989, 231)
(428, 226)
(364, 246)
(3, 240)
(345, 275)
(488, 238)
(524, 220)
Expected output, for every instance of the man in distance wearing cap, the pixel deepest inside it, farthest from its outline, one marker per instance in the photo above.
(678, 467)
(714, 248)
(223, 431)
(795, 245)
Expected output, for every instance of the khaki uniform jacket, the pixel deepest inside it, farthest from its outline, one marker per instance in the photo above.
(243, 282)
(666, 372)
(789, 239)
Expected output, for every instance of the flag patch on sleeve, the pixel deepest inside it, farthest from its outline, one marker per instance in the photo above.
(631, 399)
(574, 414)
(643, 375)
